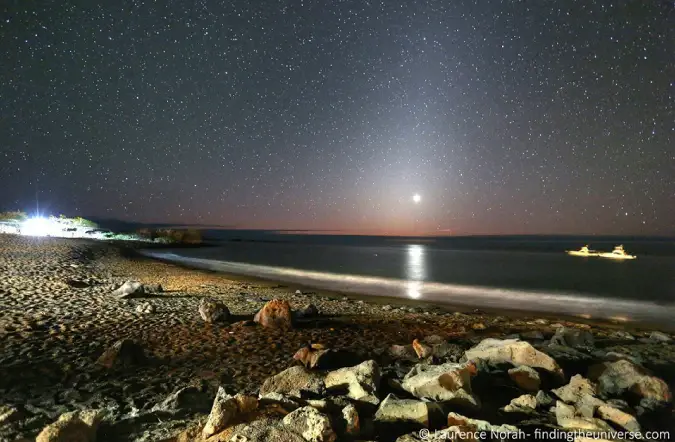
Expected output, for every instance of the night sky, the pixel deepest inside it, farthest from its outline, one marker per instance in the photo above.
(504, 116)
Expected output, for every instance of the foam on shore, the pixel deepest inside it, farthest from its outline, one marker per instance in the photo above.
(583, 305)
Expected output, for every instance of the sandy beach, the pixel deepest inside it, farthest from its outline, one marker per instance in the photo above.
(58, 315)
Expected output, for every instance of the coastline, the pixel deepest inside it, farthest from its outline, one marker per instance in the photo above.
(61, 316)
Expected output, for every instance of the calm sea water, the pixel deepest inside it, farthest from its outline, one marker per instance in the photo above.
(528, 273)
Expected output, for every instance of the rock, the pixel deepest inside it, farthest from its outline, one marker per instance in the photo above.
(308, 311)
(543, 399)
(526, 403)
(534, 335)
(565, 418)
(423, 351)
(573, 337)
(394, 410)
(446, 382)
(223, 411)
(293, 382)
(447, 352)
(657, 336)
(281, 402)
(405, 352)
(9, 414)
(188, 399)
(213, 311)
(478, 326)
(351, 419)
(514, 352)
(575, 389)
(311, 424)
(387, 308)
(78, 283)
(298, 292)
(587, 404)
(462, 424)
(361, 381)
(318, 357)
(79, 426)
(264, 429)
(275, 314)
(130, 289)
(145, 308)
(618, 417)
(153, 288)
(525, 377)
(616, 378)
(123, 353)
(620, 334)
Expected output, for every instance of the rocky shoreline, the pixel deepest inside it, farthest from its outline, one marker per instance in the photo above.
(98, 344)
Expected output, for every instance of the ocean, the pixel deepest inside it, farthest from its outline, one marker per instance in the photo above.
(529, 273)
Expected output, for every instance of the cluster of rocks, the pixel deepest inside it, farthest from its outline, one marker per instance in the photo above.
(505, 387)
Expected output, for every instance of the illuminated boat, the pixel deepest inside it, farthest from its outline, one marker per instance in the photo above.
(584, 251)
(617, 253)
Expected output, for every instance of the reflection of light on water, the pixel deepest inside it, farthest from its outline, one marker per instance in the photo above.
(620, 318)
(413, 289)
(415, 270)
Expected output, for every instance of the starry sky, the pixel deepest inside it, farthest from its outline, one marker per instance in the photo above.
(506, 117)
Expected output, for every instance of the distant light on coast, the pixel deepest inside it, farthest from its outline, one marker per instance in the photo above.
(417, 198)
(37, 226)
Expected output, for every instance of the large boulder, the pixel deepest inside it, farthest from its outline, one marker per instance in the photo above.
(619, 377)
(361, 381)
(409, 411)
(524, 403)
(624, 420)
(123, 353)
(275, 314)
(573, 337)
(446, 382)
(79, 426)
(514, 352)
(311, 424)
(526, 378)
(213, 311)
(293, 381)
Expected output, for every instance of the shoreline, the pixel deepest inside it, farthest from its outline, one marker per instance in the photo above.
(436, 303)
(61, 316)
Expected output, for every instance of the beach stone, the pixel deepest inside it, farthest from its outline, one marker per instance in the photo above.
(575, 389)
(422, 350)
(526, 402)
(278, 400)
(525, 377)
(263, 429)
(459, 423)
(565, 418)
(514, 352)
(534, 335)
(123, 353)
(184, 400)
(543, 399)
(213, 311)
(394, 410)
(153, 288)
(618, 417)
(130, 289)
(620, 334)
(657, 336)
(293, 381)
(78, 426)
(145, 308)
(573, 337)
(275, 314)
(307, 311)
(616, 378)
(405, 352)
(223, 411)
(362, 381)
(446, 382)
(10, 414)
(350, 416)
(313, 425)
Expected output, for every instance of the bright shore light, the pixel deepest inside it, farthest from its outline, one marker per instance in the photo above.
(417, 198)
(37, 226)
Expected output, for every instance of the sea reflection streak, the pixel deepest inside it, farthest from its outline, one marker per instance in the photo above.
(415, 270)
